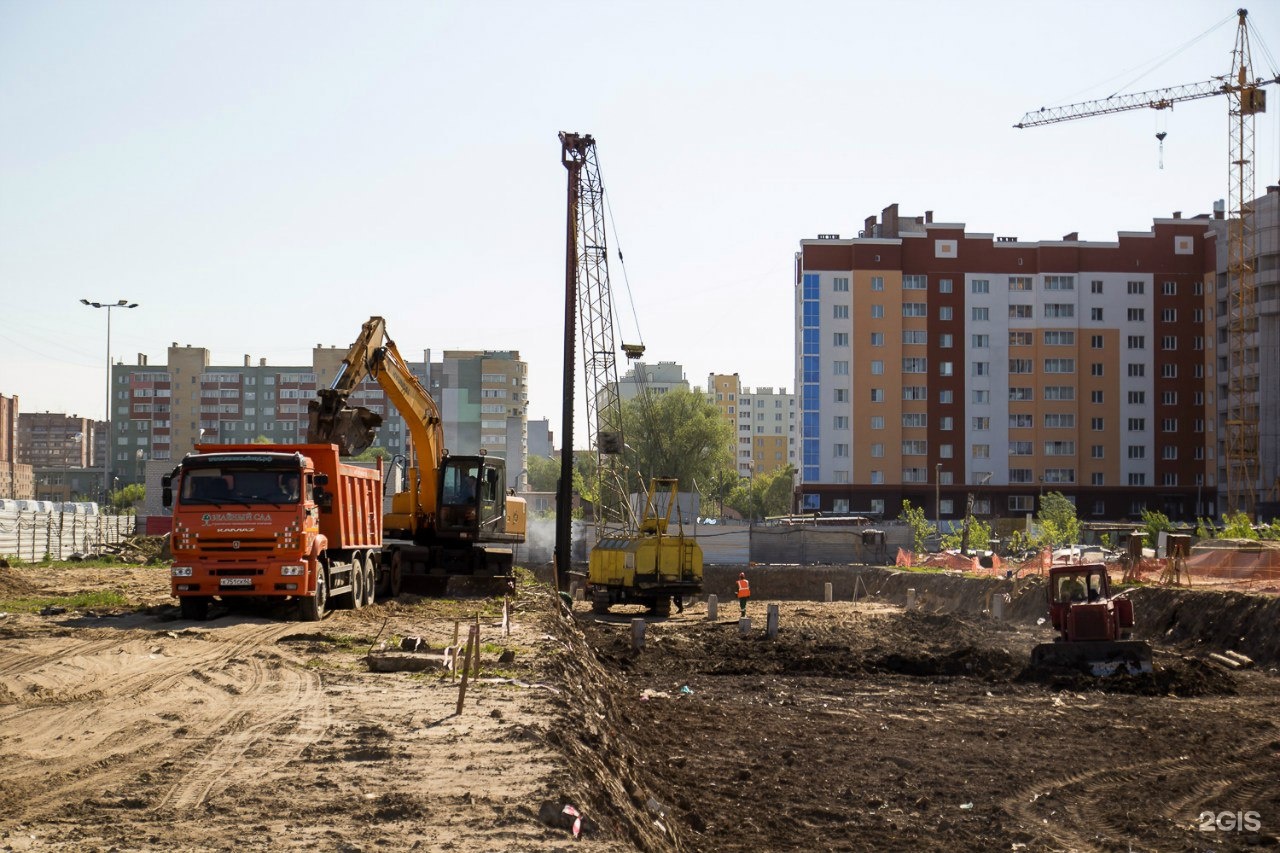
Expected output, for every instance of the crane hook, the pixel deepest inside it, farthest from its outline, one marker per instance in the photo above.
(1160, 136)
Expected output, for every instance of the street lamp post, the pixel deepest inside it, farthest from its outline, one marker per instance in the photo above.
(106, 456)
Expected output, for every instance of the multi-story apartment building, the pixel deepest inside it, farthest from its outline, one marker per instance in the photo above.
(162, 411)
(55, 440)
(17, 479)
(1262, 353)
(763, 423)
(931, 363)
(656, 378)
(484, 401)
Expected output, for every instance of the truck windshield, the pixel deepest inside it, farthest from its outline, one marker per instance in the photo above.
(240, 485)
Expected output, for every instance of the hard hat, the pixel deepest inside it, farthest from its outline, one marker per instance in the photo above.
(742, 575)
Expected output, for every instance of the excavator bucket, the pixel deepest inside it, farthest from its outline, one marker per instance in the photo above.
(1124, 657)
(331, 421)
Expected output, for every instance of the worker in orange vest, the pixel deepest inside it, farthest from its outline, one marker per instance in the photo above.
(744, 592)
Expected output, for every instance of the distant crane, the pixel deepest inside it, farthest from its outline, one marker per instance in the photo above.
(1246, 98)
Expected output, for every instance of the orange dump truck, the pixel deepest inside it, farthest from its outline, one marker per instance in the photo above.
(272, 521)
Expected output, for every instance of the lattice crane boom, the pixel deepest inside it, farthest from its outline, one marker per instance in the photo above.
(1246, 97)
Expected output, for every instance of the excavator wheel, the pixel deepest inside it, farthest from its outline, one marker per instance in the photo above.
(599, 600)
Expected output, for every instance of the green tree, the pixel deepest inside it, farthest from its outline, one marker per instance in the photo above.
(921, 528)
(544, 473)
(125, 500)
(1155, 522)
(979, 532)
(1057, 519)
(675, 434)
(719, 487)
(764, 494)
(1237, 525)
(371, 453)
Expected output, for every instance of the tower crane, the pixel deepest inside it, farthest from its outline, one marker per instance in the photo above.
(1246, 98)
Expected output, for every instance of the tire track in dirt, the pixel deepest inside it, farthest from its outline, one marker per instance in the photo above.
(134, 728)
(295, 716)
(1096, 798)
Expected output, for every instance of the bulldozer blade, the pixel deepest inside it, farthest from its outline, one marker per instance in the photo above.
(1127, 657)
(352, 429)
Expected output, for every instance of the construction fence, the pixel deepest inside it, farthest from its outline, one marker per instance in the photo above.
(1244, 565)
(35, 536)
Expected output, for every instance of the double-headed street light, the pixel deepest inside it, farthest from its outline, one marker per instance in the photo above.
(106, 456)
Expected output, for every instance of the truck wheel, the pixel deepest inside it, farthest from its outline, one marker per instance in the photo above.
(194, 607)
(312, 607)
(355, 599)
(370, 573)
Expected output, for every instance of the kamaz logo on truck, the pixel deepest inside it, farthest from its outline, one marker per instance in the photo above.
(236, 518)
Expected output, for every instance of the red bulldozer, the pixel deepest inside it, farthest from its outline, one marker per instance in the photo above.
(1093, 626)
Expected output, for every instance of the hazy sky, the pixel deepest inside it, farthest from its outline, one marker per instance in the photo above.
(264, 176)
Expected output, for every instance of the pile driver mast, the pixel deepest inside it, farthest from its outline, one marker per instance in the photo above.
(1246, 98)
(588, 297)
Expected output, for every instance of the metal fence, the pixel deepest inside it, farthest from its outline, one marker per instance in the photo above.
(57, 535)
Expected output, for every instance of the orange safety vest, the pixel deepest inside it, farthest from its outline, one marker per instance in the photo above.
(744, 588)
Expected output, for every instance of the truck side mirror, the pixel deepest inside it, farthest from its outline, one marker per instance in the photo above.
(322, 479)
(166, 491)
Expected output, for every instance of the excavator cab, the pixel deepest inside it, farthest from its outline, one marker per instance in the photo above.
(472, 494)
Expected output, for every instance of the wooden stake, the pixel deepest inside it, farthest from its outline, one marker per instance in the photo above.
(473, 641)
(457, 626)
(476, 661)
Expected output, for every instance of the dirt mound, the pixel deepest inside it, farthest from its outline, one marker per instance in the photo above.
(1180, 677)
(595, 734)
(14, 585)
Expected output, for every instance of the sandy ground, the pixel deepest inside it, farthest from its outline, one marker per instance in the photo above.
(860, 727)
(249, 731)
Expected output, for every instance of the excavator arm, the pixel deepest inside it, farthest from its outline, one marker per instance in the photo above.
(332, 421)
(329, 419)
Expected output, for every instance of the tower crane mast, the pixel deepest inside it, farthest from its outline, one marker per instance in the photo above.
(1246, 98)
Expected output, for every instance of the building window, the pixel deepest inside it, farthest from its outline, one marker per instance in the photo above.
(1095, 286)
(945, 396)
(1097, 451)
(915, 282)
(1059, 309)
(877, 422)
(1095, 315)
(877, 282)
(877, 312)
(981, 368)
(1021, 394)
(944, 285)
(981, 396)
(980, 285)
(840, 339)
(1060, 420)
(840, 450)
(1137, 424)
(981, 451)
(980, 313)
(840, 312)
(1020, 339)
(877, 395)
(1020, 282)
(877, 367)
(1136, 288)
(840, 368)
(915, 309)
(1059, 338)
(981, 342)
(1096, 397)
(1021, 312)
(840, 285)
(1137, 370)
(944, 312)
(877, 339)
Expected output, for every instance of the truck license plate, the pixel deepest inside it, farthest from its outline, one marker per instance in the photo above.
(236, 582)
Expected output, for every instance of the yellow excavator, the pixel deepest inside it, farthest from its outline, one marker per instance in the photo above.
(454, 527)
